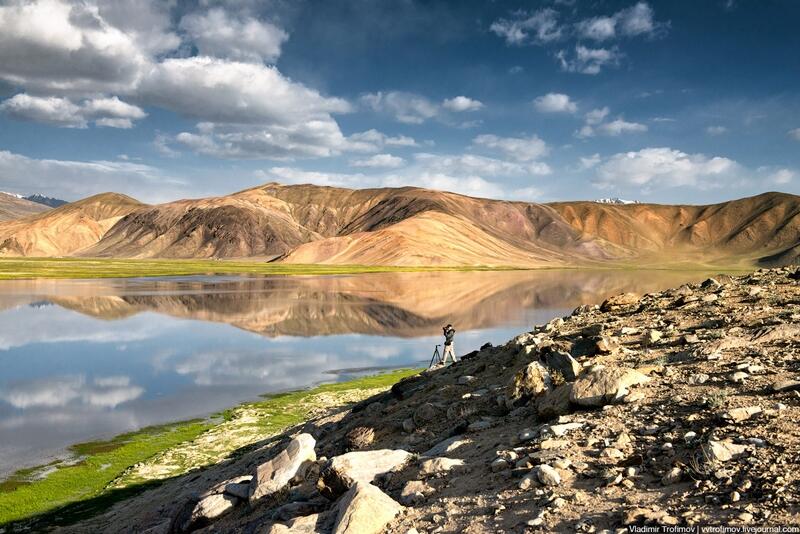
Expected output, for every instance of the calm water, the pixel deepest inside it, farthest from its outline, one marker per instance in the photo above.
(88, 359)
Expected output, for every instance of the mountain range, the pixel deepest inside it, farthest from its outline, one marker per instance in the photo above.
(412, 227)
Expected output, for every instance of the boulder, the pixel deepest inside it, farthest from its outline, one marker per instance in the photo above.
(555, 402)
(436, 466)
(274, 475)
(563, 363)
(307, 524)
(446, 446)
(414, 492)
(360, 437)
(425, 413)
(723, 451)
(623, 302)
(206, 510)
(364, 509)
(530, 382)
(737, 415)
(547, 475)
(604, 385)
(361, 466)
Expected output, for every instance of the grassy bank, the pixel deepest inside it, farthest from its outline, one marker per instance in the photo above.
(27, 268)
(106, 471)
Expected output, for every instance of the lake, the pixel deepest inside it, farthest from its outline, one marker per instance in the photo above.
(90, 359)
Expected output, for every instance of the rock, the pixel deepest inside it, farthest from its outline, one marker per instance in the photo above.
(274, 475)
(446, 446)
(737, 415)
(547, 475)
(604, 386)
(563, 363)
(238, 489)
(483, 424)
(466, 379)
(786, 385)
(361, 466)
(690, 339)
(605, 345)
(531, 381)
(360, 437)
(612, 453)
(722, 451)
(629, 331)
(653, 336)
(207, 509)
(739, 377)
(436, 466)
(425, 413)
(499, 464)
(300, 508)
(554, 403)
(549, 444)
(408, 425)
(673, 476)
(623, 302)
(697, 379)
(560, 430)
(414, 492)
(364, 509)
(710, 283)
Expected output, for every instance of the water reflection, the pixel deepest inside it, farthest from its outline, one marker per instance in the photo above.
(88, 359)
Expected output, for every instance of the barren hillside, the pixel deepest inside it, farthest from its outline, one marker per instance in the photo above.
(12, 207)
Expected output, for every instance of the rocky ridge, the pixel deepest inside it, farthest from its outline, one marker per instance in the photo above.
(671, 408)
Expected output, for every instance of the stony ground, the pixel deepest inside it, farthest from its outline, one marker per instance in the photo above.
(673, 408)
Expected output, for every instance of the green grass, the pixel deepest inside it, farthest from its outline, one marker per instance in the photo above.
(72, 492)
(27, 268)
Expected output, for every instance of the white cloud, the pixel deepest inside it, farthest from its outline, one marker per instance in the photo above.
(472, 165)
(60, 391)
(782, 176)
(629, 22)
(589, 162)
(462, 103)
(530, 193)
(215, 33)
(57, 45)
(57, 111)
(598, 28)
(665, 168)
(621, 126)
(596, 116)
(716, 130)
(596, 124)
(373, 140)
(379, 161)
(408, 108)
(77, 179)
(48, 110)
(518, 148)
(794, 134)
(588, 60)
(539, 27)
(555, 103)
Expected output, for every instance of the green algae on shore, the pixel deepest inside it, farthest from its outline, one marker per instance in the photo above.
(106, 471)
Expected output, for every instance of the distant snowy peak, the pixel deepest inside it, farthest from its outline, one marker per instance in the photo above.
(47, 201)
(616, 200)
(11, 194)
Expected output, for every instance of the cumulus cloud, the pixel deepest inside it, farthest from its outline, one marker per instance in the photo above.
(56, 111)
(216, 33)
(408, 108)
(538, 27)
(555, 103)
(462, 103)
(665, 168)
(375, 140)
(596, 124)
(588, 60)
(630, 22)
(781, 176)
(518, 148)
(379, 161)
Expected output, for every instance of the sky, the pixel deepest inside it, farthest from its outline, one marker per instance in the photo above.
(672, 101)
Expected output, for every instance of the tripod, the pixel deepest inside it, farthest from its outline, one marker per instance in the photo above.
(437, 358)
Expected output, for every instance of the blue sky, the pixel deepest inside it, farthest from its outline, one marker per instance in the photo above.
(673, 101)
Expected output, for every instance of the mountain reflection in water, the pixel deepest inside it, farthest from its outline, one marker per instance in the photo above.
(83, 359)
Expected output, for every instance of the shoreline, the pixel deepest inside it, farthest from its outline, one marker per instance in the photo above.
(106, 471)
(99, 268)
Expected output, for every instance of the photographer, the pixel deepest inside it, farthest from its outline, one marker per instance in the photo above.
(449, 333)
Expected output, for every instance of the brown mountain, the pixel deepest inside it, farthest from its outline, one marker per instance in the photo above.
(66, 230)
(12, 207)
(413, 226)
